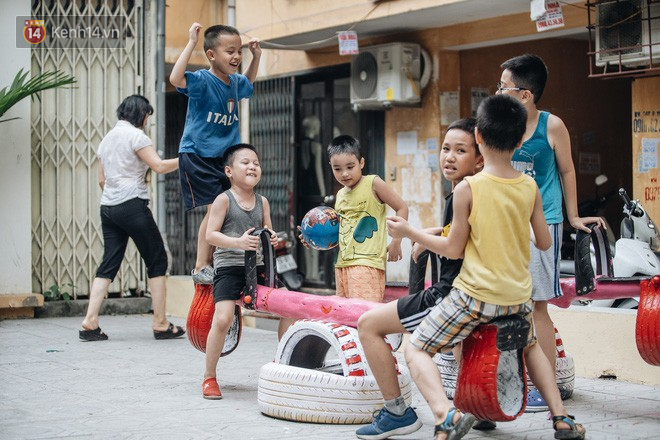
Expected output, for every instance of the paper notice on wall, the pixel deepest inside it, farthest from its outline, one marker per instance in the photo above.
(648, 159)
(536, 9)
(432, 161)
(406, 142)
(348, 43)
(449, 107)
(553, 17)
(589, 163)
(478, 94)
(415, 184)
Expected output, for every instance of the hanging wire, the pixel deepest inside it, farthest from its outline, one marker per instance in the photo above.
(313, 44)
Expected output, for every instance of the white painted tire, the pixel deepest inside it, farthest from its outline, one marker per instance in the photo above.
(565, 367)
(307, 343)
(320, 375)
(448, 371)
(304, 395)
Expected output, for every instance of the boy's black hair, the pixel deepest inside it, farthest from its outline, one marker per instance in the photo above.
(501, 121)
(529, 72)
(345, 144)
(134, 109)
(213, 33)
(467, 125)
(229, 154)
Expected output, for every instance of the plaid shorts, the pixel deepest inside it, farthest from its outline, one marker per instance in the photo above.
(363, 282)
(454, 318)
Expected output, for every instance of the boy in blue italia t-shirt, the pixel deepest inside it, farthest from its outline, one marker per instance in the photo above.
(211, 122)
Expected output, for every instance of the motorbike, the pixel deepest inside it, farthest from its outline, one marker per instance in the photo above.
(286, 266)
(635, 253)
(588, 208)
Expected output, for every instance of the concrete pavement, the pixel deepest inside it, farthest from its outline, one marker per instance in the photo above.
(54, 386)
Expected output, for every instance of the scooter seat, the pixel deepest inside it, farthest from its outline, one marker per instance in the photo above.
(567, 267)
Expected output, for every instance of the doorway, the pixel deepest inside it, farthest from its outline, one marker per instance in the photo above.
(323, 112)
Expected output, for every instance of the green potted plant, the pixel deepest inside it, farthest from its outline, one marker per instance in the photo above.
(22, 87)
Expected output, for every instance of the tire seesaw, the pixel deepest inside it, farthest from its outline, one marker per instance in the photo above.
(302, 384)
(602, 284)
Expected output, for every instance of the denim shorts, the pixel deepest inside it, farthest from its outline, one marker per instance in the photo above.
(202, 179)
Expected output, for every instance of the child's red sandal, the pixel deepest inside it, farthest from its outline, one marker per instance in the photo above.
(211, 389)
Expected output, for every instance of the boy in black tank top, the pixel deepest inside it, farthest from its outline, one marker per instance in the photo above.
(459, 157)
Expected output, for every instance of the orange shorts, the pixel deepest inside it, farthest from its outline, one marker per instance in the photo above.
(362, 282)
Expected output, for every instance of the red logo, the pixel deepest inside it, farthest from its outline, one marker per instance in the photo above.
(34, 31)
(230, 105)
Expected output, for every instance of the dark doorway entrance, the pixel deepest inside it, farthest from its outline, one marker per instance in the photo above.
(324, 112)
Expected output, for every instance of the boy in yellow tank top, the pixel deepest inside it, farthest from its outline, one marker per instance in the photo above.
(361, 205)
(493, 211)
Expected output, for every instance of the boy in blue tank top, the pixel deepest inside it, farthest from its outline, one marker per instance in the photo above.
(212, 123)
(546, 156)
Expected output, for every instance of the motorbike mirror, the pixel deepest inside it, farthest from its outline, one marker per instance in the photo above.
(601, 180)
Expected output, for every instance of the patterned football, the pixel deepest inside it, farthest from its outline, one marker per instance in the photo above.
(320, 228)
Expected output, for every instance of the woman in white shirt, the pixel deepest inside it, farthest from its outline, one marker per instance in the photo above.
(124, 157)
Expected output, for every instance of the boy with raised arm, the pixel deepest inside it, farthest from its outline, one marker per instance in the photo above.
(211, 123)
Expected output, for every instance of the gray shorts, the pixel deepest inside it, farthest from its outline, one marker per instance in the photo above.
(544, 267)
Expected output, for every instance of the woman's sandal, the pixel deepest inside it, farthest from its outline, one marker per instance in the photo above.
(456, 430)
(92, 335)
(573, 432)
(169, 333)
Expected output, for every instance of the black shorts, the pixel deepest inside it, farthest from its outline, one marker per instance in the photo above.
(133, 219)
(229, 282)
(412, 309)
(202, 179)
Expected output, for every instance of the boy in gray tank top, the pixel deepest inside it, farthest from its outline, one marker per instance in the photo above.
(233, 216)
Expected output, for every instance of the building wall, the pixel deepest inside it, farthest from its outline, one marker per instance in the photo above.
(595, 111)
(179, 16)
(646, 140)
(598, 129)
(15, 233)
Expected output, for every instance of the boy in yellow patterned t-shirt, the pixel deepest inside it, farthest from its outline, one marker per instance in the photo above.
(363, 249)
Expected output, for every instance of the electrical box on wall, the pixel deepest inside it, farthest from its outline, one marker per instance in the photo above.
(387, 75)
(627, 32)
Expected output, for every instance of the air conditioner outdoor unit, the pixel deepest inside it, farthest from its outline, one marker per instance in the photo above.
(386, 75)
(622, 29)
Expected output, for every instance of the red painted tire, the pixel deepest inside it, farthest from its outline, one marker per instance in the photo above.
(200, 318)
(647, 326)
(491, 379)
(565, 367)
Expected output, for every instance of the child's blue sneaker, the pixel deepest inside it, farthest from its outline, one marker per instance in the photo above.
(386, 424)
(535, 402)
